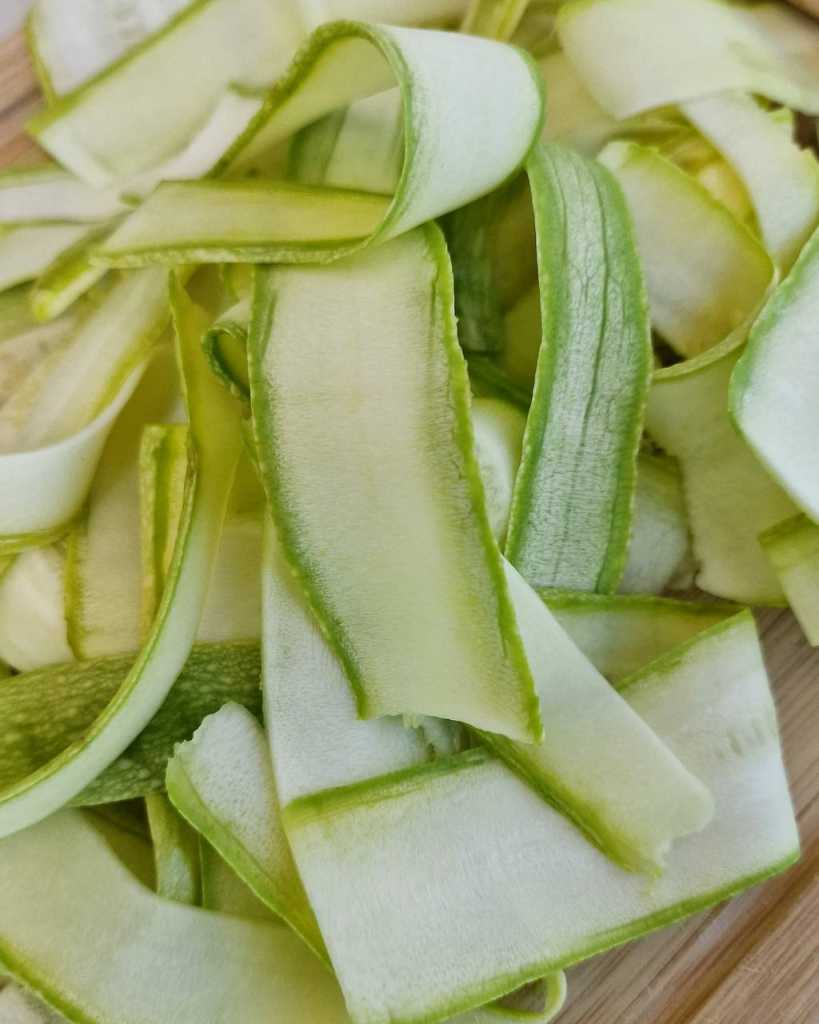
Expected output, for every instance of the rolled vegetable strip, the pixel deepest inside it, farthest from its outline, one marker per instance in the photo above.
(224, 891)
(570, 520)
(25, 343)
(635, 55)
(216, 436)
(464, 134)
(496, 19)
(718, 275)
(68, 277)
(793, 550)
(97, 130)
(413, 424)
(221, 781)
(782, 180)
(498, 428)
(403, 850)
(200, 965)
(773, 388)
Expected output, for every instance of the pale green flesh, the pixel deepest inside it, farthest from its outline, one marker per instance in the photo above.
(104, 574)
(176, 852)
(729, 497)
(182, 964)
(719, 274)
(547, 897)
(99, 131)
(221, 781)
(19, 1007)
(636, 55)
(571, 512)
(659, 553)
(782, 179)
(621, 634)
(50, 193)
(32, 619)
(496, 19)
(774, 385)
(498, 427)
(793, 550)
(60, 703)
(26, 251)
(634, 824)
(26, 344)
(216, 435)
(349, 423)
(317, 740)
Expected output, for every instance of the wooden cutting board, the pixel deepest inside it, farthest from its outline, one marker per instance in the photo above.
(752, 961)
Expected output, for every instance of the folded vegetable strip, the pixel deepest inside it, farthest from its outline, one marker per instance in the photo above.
(471, 109)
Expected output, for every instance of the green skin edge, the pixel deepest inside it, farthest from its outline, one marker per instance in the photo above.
(15, 543)
(40, 69)
(774, 310)
(220, 363)
(546, 198)
(299, 559)
(64, 104)
(304, 62)
(185, 798)
(585, 601)
(397, 784)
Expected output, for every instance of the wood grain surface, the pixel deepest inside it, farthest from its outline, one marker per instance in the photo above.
(752, 961)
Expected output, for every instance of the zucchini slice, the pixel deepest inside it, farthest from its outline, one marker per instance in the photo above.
(621, 634)
(398, 470)
(416, 948)
(729, 497)
(198, 965)
(497, 19)
(782, 180)
(221, 781)
(635, 55)
(719, 273)
(98, 130)
(774, 386)
(793, 550)
(215, 433)
(570, 520)
(448, 121)
(68, 277)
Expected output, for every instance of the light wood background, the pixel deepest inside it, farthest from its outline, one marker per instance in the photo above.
(752, 961)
